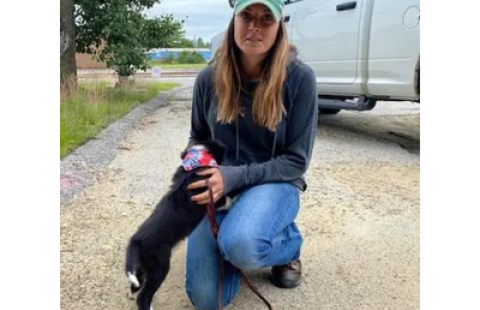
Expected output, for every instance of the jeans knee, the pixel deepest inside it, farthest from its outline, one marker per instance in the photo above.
(203, 297)
(244, 250)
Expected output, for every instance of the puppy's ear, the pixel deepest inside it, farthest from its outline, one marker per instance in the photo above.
(183, 154)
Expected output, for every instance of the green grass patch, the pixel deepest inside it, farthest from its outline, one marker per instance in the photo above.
(157, 63)
(95, 106)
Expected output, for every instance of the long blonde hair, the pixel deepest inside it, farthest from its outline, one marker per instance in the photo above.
(268, 107)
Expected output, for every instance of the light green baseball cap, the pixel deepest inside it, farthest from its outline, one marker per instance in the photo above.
(274, 5)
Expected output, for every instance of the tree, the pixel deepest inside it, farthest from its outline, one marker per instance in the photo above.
(200, 43)
(126, 30)
(183, 42)
(162, 31)
(117, 32)
(112, 31)
(68, 65)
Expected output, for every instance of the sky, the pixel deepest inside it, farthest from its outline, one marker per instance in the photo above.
(205, 18)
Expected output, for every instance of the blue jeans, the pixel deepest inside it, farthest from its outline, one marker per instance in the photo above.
(258, 231)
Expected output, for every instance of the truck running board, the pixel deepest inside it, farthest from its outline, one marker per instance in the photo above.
(361, 104)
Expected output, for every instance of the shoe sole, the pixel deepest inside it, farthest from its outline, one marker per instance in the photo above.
(283, 284)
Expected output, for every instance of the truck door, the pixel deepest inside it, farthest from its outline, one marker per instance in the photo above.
(326, 32)
(289, 15)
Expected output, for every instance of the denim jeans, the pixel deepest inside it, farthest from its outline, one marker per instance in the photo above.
(258, 231)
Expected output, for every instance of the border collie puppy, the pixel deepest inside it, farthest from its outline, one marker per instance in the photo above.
(172, 220)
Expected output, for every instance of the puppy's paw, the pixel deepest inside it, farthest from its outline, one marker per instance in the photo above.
(133, 279)
(228, 203)
(131, 295)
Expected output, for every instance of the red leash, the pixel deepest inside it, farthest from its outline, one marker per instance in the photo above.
(214, 228)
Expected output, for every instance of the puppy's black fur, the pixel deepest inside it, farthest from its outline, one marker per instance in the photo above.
(173, 219)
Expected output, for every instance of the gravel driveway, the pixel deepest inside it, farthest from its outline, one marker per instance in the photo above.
(359, 217)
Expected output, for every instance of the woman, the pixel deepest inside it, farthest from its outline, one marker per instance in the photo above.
(260, 101)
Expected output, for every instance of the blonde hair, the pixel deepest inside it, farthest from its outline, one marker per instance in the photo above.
(268, 107)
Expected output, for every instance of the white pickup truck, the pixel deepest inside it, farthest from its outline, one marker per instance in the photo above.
(361, 51)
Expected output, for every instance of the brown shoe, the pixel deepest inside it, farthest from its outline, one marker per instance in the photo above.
(287, 276)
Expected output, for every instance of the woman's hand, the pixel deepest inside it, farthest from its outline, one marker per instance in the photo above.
(216, 182)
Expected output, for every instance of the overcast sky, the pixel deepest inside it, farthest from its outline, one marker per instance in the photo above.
(205, 18)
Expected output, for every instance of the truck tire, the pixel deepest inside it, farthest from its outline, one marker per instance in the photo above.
(328, 111)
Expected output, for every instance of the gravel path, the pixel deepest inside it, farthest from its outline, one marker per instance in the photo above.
(359, 217)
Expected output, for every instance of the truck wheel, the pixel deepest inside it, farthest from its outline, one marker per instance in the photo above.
(328, 111)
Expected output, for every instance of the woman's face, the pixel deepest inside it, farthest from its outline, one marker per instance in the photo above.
(255, 29)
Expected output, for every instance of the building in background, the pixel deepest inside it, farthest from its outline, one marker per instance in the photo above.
(163, 53)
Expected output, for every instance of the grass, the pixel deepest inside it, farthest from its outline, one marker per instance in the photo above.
(157, 63)
(95, 106)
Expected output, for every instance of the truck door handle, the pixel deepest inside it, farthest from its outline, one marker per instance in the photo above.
(286, 18)
(347, 6)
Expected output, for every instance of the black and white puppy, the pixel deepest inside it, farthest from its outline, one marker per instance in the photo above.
(173, 219)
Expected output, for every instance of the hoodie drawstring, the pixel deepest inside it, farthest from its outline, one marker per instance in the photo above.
(274, 144)
(237, 155)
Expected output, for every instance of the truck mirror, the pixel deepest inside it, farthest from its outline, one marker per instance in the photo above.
(232, 3)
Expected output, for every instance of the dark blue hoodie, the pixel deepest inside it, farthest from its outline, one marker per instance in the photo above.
(254, 154)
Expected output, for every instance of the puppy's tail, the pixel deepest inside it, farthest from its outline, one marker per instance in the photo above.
(132, 263)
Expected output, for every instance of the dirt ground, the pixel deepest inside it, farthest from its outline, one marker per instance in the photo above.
(360, 216)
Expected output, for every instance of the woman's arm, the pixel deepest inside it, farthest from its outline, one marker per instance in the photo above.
(199, 130)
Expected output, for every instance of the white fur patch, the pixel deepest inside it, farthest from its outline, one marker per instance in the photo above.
(132, 278)
(228, 203)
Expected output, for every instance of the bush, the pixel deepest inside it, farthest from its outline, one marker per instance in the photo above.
(186, 57)
(170, 59)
